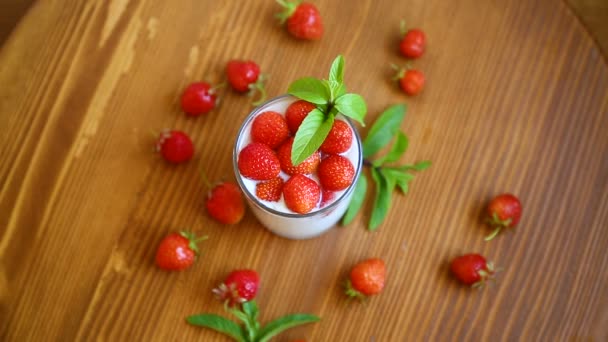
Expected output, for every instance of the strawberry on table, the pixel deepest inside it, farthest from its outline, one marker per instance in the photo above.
(177, 251)
(269, 128)
(336, 173)
(472, 269)
(411, 81)
(301, 194)
(366, 279)
(225, 203)
(308, 166)
(295, 114)
(198, 98)
(175, 146)
(239, 286)
(244, 75)
(413, 43)
(504, 211)
(303, 19)
(257, 161)
(339, 138)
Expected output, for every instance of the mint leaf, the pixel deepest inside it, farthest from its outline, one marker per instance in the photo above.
(310, 89)
(281, 324)
(336, 72)
(250, 310)
(219, 324)
(383, 130)
(311, 134)
(399, 147)
(423, 165)
(353, 106)
(401, 178)
(356, 201)
(382, 201)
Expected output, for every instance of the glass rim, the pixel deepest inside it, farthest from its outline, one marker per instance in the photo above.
(260, 204)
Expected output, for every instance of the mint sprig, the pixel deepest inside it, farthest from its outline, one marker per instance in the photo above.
(331, 99)
(386, 176)
(251, 331)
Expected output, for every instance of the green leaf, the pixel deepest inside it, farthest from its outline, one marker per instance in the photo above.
(399, 147)
(356, 201)
(310, 89)
(336, 73)
(420, 166)
(311, 134)
(250, 310)
(383, 129)
(353, 106)
(281, 324)
(401, 178)
(382, 201)
(219, 324)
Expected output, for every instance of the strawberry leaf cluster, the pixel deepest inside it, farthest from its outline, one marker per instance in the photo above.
(386, 176)
(250, 330)
(331, 99)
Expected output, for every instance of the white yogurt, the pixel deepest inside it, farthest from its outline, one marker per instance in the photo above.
(275, 215)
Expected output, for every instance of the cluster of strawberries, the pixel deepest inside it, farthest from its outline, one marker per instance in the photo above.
(270, 152)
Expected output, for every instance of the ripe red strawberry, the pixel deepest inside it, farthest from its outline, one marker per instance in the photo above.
(258, 162)
(413, 43)
(336, 173)
(198, 98)
(270, 190)
(366, 279)
(240, 286)
(177, 252)
(339, 139)
(175, 146)
(504, 211)
(326, 197)
(301, 194)
(241, 74)
(295, 114)
(472, 269)
(411, 81)
(269, 128)
(308, 166)
(303, 19)
(225, 203)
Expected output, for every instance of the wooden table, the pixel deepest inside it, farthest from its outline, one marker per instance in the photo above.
(516, 100)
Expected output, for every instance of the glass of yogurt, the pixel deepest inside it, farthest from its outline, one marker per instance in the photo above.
(275, 216)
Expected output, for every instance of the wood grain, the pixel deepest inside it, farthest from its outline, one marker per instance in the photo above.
(516, 100)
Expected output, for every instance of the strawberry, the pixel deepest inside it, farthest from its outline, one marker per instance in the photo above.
(245, 76)
(175, 146)
(366, 279)
(326, 197)
(309, 165)
(301, 194)
(336, 173)
(303, 19)
(472, 269)
(504, 211)
(411, 81)
(339, 139)
(295, 114)
(413, 43)
(258, 162)
(269, 128)
(225, 203)
(239, 286)
(270, 190)
(177, 252)
(198, 98)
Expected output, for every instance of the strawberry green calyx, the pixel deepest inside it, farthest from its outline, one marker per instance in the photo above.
(193, 240)
(486, 275)
(400, 71)
(288, 8)
(498, 225)
(258, 87)
(351, 292)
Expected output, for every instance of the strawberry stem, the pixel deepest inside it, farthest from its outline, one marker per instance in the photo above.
(493, 234)
(402, 27)
(259, 87)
